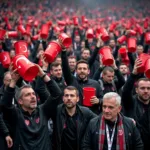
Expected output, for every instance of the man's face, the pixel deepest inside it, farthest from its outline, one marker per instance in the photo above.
(110, 109)
(123, 69)
(70, 98)
(112, 43)
(77, 38)
(139, 49)
(7, 79)
(72, 63)
(82, 71)
(85, 54)
(143, 90)
(56, 71)
(108, 76)
(28, 99)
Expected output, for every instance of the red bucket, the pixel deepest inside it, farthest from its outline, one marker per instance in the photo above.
(123, 52)
(106, 55)
(126, 60)
(44, 31)
(2, 34)
(105, 35)
(90, 34)
(88, 92)
(52, 51)
(28, 29)
(27, 70)
(5, 59)
(12, 34)
(131, 44)
(36, 23)
(147, 68)
(65, 40)
(143, 57)
(132, 33)
(21, 29)
(75, 21)
(21, 47)
(121, 39)
(147, 38)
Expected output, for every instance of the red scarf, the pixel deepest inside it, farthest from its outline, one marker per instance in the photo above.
(121, 145)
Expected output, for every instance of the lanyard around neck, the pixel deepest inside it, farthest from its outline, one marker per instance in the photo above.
(110, 140)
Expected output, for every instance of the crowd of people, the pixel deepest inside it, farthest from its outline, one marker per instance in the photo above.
(49, 111)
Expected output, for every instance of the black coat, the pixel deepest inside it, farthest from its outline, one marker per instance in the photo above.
(31, 130)
(132, 106)
(132, 135)
(84, 115)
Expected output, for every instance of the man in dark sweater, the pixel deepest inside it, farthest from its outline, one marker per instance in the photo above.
(29, 121)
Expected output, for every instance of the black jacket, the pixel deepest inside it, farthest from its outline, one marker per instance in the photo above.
(132, 106)
(132, 136)
(145, 129)
(84, 115)
(31, 130)
(118, 82)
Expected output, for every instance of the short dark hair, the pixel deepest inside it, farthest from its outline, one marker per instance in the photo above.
(71, 88)
(18, 93)
(71, 57)
(54, 64)
(110, 69)
(141, 79)
(82, 62)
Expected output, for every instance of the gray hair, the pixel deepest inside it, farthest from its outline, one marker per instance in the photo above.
(18, 93)
(111, 95)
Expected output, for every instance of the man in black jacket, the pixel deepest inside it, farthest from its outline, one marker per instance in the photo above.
(82, 80)
(111, 130)
(71, 121)
(134, 106)
(29, 121)
(145, 129)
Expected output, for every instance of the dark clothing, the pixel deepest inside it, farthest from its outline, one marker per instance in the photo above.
(31, 130)
(69, 135)
(132, 106)
(3, 133)
(116, 84)
(145, 129)
(76, 132)
(80, 84)
(132, 135)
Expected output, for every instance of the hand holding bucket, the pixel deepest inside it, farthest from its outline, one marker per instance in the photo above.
(65, 40)
(90, 33)
(21, 47)
(131, 44)
(121, 39)
(143, 57)
(27, 70)
(5, 59)
(88, 92)
(106, 55)
(52, 50)
(123, 52)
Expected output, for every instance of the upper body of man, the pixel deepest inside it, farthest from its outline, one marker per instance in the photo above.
(108, 81)
(111, 130)
(82, 80)
(134, 106)
(71, 121)
(29, 121)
